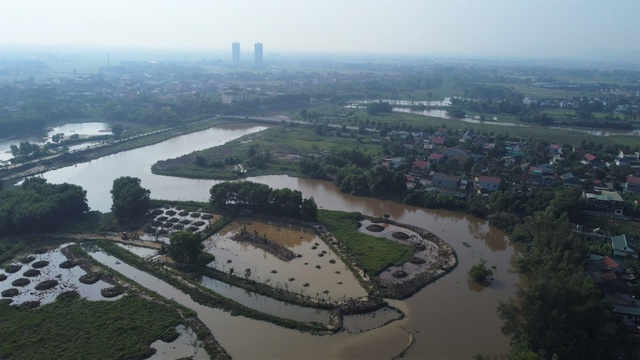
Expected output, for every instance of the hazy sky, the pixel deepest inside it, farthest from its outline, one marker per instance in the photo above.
(522, 28)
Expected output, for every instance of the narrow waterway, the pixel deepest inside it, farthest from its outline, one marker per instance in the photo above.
(250, 339)
(449, 319)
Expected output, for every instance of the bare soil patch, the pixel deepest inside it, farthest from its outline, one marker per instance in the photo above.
(47, 284)
(68, 264)
(31, 273)
(375, 228)
(21, 282)
(89, 278)
(39, 264)
(111, 292)
(13, 268)
(10, 292)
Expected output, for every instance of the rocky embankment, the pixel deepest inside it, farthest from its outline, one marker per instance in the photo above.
(433, 258)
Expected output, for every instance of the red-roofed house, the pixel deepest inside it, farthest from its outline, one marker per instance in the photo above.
(633, 184)
(488, 183)
(589, 159)
(554, 149)
(438, 141)
(608, 263)
(435, 158)
(420, 166)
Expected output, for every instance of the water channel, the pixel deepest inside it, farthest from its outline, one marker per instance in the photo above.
(450, 319)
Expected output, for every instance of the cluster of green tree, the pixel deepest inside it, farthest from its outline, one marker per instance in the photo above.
(145, 110)
(492, 93)
(535, 117)
(351, 171)
(379, 107)
(512, 107)
(480, 273)
(379, 181)
(130, 199)
(37, 206)
(185, 247)
(456, 112)
(434, 200)
(608, 122)
(559, 200)
(257, 158)
(285, 101)
(262, 199)
(560, 313)
(364, 86)
(40, 107)
(26, 151)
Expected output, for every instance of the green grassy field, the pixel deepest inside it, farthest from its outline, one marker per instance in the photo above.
(373, 254)
(73, 328)
(537, 92)
(526, 131)
(286, 144)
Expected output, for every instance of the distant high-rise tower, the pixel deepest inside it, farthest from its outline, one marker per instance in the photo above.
(257, 49)
(235, 53)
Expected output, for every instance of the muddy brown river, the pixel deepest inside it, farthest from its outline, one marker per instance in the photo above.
(449, 319)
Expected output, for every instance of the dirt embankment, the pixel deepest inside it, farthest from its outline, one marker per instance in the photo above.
(261, 242)
(433, 258)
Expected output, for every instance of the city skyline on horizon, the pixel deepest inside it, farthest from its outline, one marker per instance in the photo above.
(435, 28)
(236, 54)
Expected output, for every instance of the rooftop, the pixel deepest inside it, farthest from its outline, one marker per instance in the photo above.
(619, 242)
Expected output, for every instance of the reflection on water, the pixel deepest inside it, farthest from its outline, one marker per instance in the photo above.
(447, 319)
(251, 339)
(186, 345)
(82, 129)
(365, 322)
(317, 272)
(266, 304)
(68, 280)
(443, 114)
(601, 132)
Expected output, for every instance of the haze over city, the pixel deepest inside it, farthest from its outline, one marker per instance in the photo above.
(496, 28)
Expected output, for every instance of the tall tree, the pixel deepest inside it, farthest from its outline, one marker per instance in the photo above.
(185, 246)
(561, 311)
(130, 199)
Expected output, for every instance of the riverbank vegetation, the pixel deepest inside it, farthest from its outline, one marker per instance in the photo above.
(76, 328)
(561, 312)
(124, 328)
(137, 136)
(37, 206)
(129, 199)
(246, 195)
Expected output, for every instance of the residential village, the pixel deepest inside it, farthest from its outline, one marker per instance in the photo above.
(608, 177)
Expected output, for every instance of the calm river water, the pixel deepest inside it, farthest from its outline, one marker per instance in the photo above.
(450, 319)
